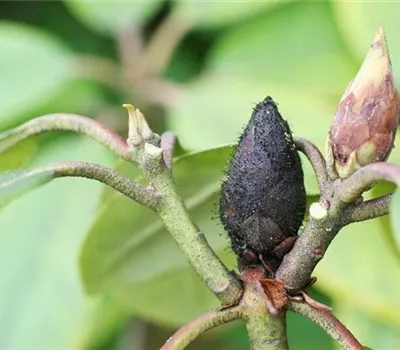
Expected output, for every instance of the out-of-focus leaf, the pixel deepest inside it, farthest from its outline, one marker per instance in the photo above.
(395, 217)
(378, 333)
(111, 16)
(129, 252)
(297, 45)
(215, 111)
(106, 318)
(18, 156)
(395, 154)
(77, 96)
(388, 231)
(42, 305)
(220, 13)
(205, 118)
(359, 21)
(34, 66)
(15, 183)
(360, 268)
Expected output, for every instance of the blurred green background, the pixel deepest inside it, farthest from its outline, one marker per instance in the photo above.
(85, 268)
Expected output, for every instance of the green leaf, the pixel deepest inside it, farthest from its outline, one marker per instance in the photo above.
(109, 17)
(389, 233)
(395, 218)
(359, 21)
(105, 319)
(221, 13)
(42, 305)
(376, 331)
(34, 66)
(129, 252)
(18, 156)
(297, 45)
(15, 183)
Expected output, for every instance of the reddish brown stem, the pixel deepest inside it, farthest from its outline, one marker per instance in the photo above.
(316, 159)
(328, 322)
(190, 331)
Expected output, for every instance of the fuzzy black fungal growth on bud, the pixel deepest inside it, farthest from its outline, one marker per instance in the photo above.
(263, 200)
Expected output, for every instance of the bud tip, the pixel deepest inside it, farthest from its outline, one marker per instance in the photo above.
(366, 119)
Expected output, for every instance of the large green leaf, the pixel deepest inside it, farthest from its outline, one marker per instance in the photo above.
(111, 16)
(213, 14)
(359, 21)
(14, 183)
(34, 66)
(129, 252)
(19, 156)
(42, 305)
(297, 44)
(377, 333)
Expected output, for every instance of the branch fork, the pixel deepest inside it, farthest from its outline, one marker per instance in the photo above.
(260, 302)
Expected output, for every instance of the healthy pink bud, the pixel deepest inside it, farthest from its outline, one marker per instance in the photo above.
(366, 119)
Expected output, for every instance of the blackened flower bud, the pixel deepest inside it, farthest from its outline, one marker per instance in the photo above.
(263, 200)
(366, 119)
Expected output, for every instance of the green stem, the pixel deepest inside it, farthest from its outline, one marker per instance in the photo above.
(266, 331)
(66, 122)
(108, 177)
(328, 322)
(193, 244)
(190, 239)
(190, 331)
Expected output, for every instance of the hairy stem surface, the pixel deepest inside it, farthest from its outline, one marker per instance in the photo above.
(316, 159)
(190, 331)
(66, 122)
(329, 323)
(109, 177)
